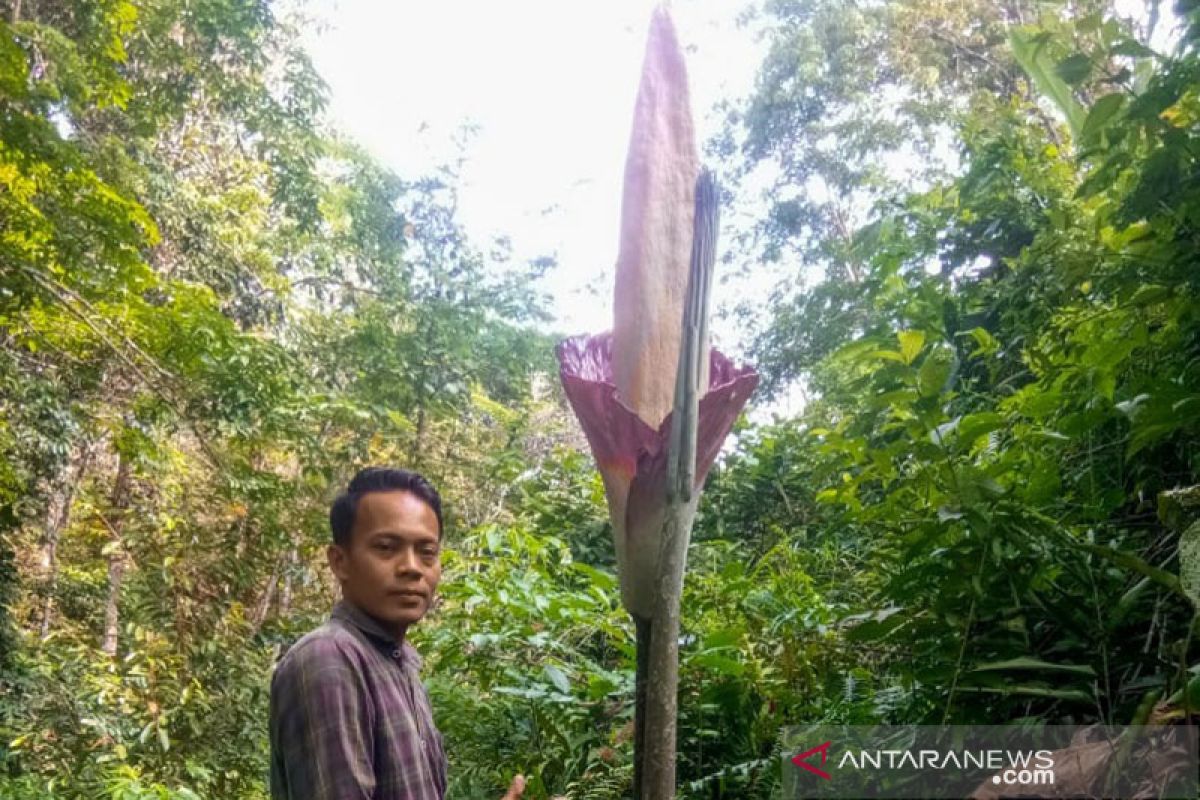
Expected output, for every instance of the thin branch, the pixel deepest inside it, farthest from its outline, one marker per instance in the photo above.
(320, 280)
(65, 296)
(983, 58)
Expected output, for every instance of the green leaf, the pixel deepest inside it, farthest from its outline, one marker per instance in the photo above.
(558, 678)
(1101, 178)
(944, 433)
(1028, 49)
(949, 514)
(1135, 564)
(911, 343)
(722, 665)
(1074, 69)
(972, 426)
(1101, 113)
(14, 67)
(987, 344)
(1189, 563)
(723, 638)
(600, 686)
(1129, 599)
(1026, 663)
(529, 693)
(934, 373)
(1075, 695)
(875, 625)
(1131, 48)
(887, 355)
(1149, 294)
(826, 496)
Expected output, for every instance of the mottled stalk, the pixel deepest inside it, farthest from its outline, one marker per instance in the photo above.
(662, 681)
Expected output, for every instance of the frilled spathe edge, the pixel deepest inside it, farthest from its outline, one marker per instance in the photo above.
(632, 456)
(620, 438)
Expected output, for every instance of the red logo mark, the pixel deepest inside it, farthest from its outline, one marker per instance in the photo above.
(801, 760)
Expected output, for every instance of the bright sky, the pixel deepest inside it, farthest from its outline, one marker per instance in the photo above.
(550, 86)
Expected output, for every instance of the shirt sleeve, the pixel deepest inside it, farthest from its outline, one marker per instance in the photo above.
(321, 726)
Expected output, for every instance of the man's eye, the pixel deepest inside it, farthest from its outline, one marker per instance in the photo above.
(385, 547)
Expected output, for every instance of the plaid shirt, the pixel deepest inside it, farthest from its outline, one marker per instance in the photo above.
(350, 719)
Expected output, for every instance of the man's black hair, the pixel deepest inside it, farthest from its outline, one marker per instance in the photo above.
(379, 479)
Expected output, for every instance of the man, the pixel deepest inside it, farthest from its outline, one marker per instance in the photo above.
(350, 719)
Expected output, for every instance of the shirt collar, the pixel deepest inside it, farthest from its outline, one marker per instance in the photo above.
(353, 615)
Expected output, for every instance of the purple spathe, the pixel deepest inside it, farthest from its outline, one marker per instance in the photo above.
(632, 456)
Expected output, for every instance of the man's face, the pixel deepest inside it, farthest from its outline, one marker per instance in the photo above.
(392, 565)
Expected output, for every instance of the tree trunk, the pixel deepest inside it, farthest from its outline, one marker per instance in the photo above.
(285, 591)
(57, 518)
(264, 602)
(118, 503)
(418, 447)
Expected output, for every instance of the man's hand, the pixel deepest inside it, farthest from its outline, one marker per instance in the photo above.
(516, 789)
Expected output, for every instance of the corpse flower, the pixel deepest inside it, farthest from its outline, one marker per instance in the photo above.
(622, 384)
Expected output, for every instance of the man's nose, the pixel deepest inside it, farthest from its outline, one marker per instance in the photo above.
(409, 560)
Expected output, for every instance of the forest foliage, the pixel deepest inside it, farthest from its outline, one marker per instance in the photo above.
(214, 308)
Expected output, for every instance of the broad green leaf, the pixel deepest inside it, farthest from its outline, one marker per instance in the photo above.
(948, 514)
(558, 678)
(1027, 663)
(934, 372)
(911, 343)
(826, 496)
(1103, 177)
(1189, 693)
(529, 693)
(1130, 598)
(603, 580)
(1074, 69)
(1149, 294)
(600, 687)
(1134, 563)
(1131, 48)
(715, 662)
(725, 637)
(875, 625)
(1029, 49)
(944, 433)
(987, 344)
(888, 355)
(1101, 113)
(1189, 562)
(972, 426)
(1075, 695)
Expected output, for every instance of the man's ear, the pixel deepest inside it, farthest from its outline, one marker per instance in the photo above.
(337, 561)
